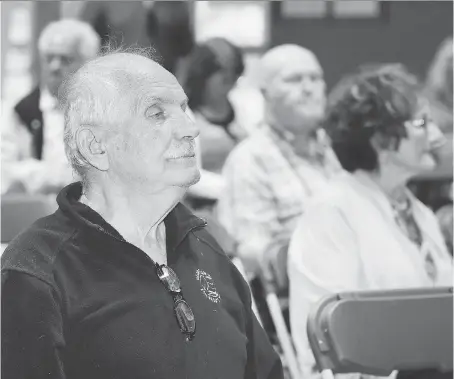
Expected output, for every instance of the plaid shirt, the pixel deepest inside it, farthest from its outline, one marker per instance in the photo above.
(267, 185)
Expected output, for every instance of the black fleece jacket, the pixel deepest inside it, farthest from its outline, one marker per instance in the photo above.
(78, 301)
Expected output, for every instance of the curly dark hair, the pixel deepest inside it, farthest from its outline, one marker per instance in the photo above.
(375, 99)
(202, 63)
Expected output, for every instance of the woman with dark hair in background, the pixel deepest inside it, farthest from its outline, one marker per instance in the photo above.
(165, 25)
(367, 231)
(211, 71)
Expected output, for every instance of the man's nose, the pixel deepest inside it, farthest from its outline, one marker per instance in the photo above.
(186, 127)
(307, 86)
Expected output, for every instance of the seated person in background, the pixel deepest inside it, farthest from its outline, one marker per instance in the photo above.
(445, 219)
(439, 86)
(271, 175)
(433, 188)
(367, 231)
(32, 148)
(210, 73)
(123, 281)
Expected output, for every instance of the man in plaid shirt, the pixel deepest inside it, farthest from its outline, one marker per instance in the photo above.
(270, 175)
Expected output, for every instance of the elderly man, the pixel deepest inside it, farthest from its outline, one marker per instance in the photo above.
(271, 175)
(123, 281)
(33, 157)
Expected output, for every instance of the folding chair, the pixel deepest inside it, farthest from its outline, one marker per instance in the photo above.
(273, 281)
(19, 211)
(377, 332)
(239, 265)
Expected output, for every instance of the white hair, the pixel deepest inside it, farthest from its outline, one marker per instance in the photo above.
(87, 40)
(103, 92)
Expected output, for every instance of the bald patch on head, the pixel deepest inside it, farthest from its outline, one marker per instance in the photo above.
(133, 65)
(275, 60)
(128, 77)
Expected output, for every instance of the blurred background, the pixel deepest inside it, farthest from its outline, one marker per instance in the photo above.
(343, 34)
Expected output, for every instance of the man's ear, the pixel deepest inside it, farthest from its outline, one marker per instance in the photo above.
(93, 149)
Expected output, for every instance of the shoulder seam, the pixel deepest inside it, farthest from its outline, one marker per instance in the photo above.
(217, 250)
(65, 241)
(25, 272)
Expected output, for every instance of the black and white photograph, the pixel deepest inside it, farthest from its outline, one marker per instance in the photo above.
(226, 189)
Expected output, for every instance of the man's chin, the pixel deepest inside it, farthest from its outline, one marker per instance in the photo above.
(189, 179)
(195, 179)
(311, 117)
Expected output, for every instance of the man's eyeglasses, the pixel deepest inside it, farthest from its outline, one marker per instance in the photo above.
(183, 311)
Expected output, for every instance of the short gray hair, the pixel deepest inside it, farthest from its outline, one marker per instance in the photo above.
(99, 94)
(88, 41)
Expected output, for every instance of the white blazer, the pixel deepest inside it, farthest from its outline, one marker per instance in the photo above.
(348, 240)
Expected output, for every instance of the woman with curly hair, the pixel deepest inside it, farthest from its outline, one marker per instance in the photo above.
(367, 231)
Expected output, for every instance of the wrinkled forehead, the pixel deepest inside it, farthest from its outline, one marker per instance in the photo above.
(159, 86)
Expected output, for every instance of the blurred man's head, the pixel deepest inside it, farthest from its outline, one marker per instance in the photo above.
(63, 47)
(126, 124)
(291, 80)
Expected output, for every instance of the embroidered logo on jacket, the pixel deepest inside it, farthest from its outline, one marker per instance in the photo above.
(208, 287)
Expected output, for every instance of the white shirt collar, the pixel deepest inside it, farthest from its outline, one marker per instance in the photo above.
(47, 102)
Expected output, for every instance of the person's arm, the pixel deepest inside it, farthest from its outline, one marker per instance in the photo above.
(15, 147)
(323, 259)
(32, 330)
(247, 210)
(19, 168)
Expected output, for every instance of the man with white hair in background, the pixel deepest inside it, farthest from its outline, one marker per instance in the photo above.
(123, 281)
(32, 149)
(271, 174)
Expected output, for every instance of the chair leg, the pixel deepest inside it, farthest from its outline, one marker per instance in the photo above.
(283, 335)
(239, 265)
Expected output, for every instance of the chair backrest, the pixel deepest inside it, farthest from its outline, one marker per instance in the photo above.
(20, 211)
(377, 332)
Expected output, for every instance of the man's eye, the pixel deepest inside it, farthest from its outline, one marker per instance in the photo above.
(293, 79)
(156, 113)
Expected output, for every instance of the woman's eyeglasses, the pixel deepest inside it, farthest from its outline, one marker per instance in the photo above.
(420, 122)
(183, 311)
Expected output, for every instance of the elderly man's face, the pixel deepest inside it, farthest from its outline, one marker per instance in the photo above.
(156, 148)
(297, 92)
(60, 58)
